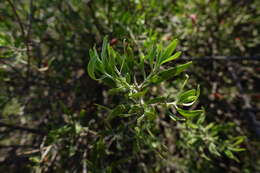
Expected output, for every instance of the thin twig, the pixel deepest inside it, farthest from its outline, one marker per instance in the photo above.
(17, 17)
(26, 41)
(31, 151)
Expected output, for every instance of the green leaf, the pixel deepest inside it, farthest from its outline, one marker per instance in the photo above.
(230, 155)
(130, 57)
(201, 118)
(175, 56)
(128, 77)
(99, 64)
(5, 40)
(239, 140)
(95, 64)
(209, 126)
(151, 56)
(101, 107)
(189, 97)
(78, 128)
(236, 149)
(138, 94)
(91, 65)
(193, 140)
(111, 60)
(169, 73)
(184, 97)
(213, 149)
(176, 118)
(104, 49)
(150, 113)
(107, 61)
(189, 113)
(139, 119)
(117, 111)
(136, 109)
(116, 90)
(159, 51)
(205, 157)
(169, 50)
(191, 125)
(156, 100)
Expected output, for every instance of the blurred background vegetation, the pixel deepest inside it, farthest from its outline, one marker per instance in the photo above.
(50, 121)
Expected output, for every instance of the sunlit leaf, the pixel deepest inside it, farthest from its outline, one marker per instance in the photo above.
(169, 50)
(175, 56)
(230, 155)
(213, 149)
(189, 113)
(138, 94)
(169, 73)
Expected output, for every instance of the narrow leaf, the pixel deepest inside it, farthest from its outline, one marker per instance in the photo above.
(189, 97)
(176, 118)
(213, 149)
(104, 49)
(175, 56)
(169, 50)
(236, 149)
(231, 155)
(156, 100)
(91, 65)
(138, 94)
(117, 111)
(189, 113)
(169, 73)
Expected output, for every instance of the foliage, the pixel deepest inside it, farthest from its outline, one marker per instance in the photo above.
(139, 113)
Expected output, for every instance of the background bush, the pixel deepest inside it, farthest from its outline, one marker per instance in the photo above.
(54, 117)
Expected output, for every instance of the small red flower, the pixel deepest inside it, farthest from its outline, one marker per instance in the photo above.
(193, 18)
(218, 95)
(237, 38)
(113, 41)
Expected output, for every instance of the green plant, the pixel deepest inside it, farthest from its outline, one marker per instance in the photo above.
(133, 78)
(56, 119)
(128, 75)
